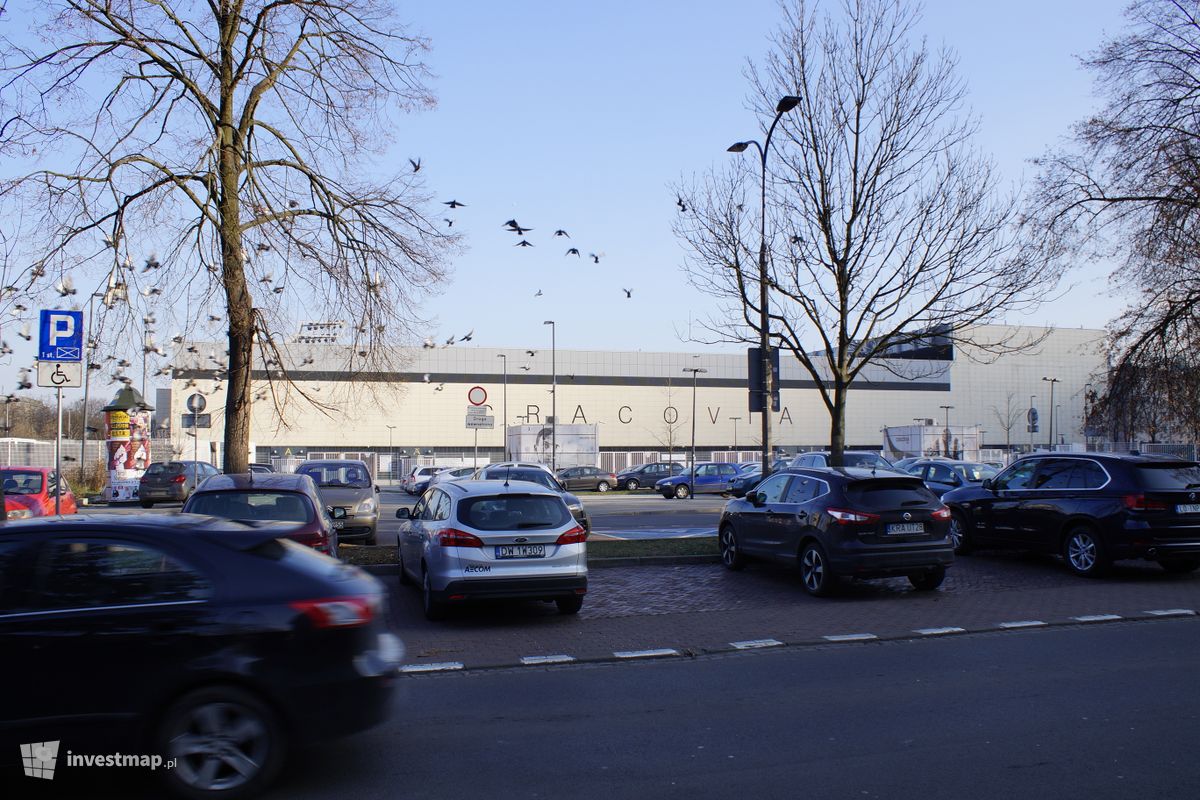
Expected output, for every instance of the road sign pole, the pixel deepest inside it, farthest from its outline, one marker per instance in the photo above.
(195, 437)
(476, 462)
(58, 458)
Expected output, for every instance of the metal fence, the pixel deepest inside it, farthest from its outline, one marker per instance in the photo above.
(33, 453)
(1177, 449)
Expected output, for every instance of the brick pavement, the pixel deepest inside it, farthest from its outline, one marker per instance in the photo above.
(704, 608)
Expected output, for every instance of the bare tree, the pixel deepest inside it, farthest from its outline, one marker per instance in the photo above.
(226, 148)
(1008, 417)
(886, 231)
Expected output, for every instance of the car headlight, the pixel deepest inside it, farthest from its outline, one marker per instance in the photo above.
(366, 506)
(20, 513)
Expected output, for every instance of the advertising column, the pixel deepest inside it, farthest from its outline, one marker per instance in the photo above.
(127, 431)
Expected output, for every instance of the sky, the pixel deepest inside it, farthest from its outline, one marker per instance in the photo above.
(581, 116)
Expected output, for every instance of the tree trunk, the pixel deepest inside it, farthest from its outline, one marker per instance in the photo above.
(837, 425)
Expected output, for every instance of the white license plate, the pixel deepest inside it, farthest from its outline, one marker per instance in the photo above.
(1188, 508)
(906, 527)
(338, 524)
(521, 551)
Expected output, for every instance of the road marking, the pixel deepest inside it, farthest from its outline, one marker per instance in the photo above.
(1025, 623)
(665, 651)
(443, 666)
(1172, 612)
(939, 631)
(534, 660)
(1097, 618)
(851, 637)
(754, 644)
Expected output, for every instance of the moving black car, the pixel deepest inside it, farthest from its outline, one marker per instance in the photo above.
(840, 522)
(644, 476)
(1090, 508)
(208, 641)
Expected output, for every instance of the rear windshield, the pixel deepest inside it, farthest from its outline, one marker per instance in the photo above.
(886, 495)
(1180, 475)
(169, 468)
(537, 476)
(19, 482)
(258, 505)
(337, 475)
(513, 512)
(976, 473)
(864, 460)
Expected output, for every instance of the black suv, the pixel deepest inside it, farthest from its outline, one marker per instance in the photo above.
(1090, 508)
(843, 522)
(646, 475)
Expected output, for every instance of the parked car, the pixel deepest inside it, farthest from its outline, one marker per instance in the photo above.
(1090, 508)
(172, 481)
(942, 475)
(349, 495)
(452, 474)
(543, 478)
(744, 481)
(850, 458)
(259, 467)
(520, 465)
(711, 477)
(417, 479)
(30, 492)
(646, 475)
(840, 522)
(208, 641)
(587, 478)
(279, 497)
(484, 540)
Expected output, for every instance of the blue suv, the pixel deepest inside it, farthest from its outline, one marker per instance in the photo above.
(711, 477)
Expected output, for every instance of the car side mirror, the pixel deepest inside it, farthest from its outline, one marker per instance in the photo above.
(377, 488)
(737, 492)
(988, 484)
(756, 498)
(403, 513)
(561, 485)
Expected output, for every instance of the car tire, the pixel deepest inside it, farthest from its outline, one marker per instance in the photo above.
(261, 750)
(731, 554)
(682, 491)
(632, 485)
(369, 541)
(959, 535)
(928, 580)
(668, 494)
(405, 578)
(815, 575)
(1084, 553)
(1179, 566)
(602, 486)
(434, 609)
(569, 605)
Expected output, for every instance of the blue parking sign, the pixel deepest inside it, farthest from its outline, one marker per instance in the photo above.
(60, 336)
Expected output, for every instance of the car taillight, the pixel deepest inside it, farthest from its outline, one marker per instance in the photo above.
(312, 539)
(845, 516)
(452, 537)
(1139, 502)
(179, 479)
(337, 612)
(576, 535)
(941, 513)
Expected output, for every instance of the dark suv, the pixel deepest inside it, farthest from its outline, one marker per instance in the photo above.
(1090, 508)
(644, 476)
(843, 522)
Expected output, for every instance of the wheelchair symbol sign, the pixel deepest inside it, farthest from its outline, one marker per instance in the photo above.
(60, 374)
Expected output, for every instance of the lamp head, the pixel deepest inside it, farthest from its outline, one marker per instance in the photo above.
(786, 104)
(737, 147)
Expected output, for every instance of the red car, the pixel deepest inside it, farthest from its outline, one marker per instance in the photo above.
(29, 492)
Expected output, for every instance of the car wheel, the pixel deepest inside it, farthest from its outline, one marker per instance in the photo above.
(225, 743)
(958, 534)
(814, 571)
(731, 554)
(632, 485)
(1179, 566)
(405, 578)
(434, 609)
(667, 493)
(147, 504)
(569, 605)
(928, 580)
(682, 491)
(1084, 554)
(602, 486)
(370, 540)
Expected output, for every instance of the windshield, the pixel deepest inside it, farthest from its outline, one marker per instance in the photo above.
(976, 473)
(352, 475)
(22, 482)
(257, 505)
(537, 476)
(1185, 475)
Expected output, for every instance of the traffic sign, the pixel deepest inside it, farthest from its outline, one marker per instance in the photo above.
(60, 374)
(196, 402)
(60, 336)
(476, 395)
(481, 423)
(477, 411)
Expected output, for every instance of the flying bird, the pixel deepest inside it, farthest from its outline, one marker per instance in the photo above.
(425, 377)
(24, 332)
(594, 257)
(449, 222)
(522, 243)
(538, 293)
(513, 226)
(467, 336)
(679, 202)
(65, 286)
(428, 344)
(526, 368)
(561, 232)
(449, 342)
(439, 387)
(454, 204)
(574, 251)
(416, 165)
(628, 292)
(531, 353)
(152, 291)
(151, 263)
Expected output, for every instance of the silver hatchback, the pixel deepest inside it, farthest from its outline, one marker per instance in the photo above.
(483, 540)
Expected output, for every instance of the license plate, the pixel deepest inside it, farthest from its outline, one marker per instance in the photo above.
(1189, 508)
(906, 527)
(338, 524)
(521, 551)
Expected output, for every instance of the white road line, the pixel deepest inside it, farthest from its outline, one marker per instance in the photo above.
(1172, 612)
(665, 651)
(1097, 618)
(534, 660)
(443, 666)
(939, 631)
(851, 637)
(754, 644)
(1025, 623)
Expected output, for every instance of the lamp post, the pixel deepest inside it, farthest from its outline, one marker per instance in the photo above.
(87, 373)
(391, 454)
(505, 357)
(735, 421)
(692, 466)
(1058, 422)
(785, 104)
(553, 399)
(946, 432)
(1050, 438)
(1029, 419)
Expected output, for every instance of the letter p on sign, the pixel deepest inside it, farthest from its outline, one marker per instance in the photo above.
(60, 336)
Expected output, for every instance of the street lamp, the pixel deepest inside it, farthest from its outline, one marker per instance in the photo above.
(553, 398)
(785, 104)
(735, 421)
(1029, 419)
(946, 432)
(505, 357)
(1051, 381)
(87, 382)
(392, 453)
(692, 466)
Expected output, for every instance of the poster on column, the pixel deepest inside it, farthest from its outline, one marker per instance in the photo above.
(123, 481)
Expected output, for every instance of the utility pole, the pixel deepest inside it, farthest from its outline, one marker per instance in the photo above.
(692, 466)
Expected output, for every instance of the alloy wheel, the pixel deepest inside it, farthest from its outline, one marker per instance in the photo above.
(1082, 552)
(219, 746)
